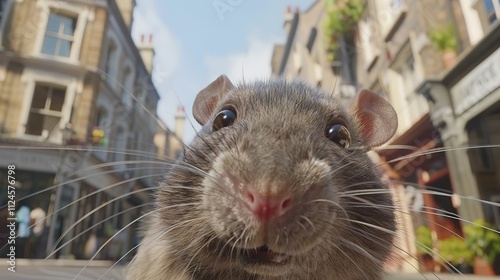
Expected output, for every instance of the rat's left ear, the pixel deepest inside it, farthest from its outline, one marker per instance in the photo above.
(375, 116)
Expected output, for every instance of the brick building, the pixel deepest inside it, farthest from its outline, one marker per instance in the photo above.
(78, 110)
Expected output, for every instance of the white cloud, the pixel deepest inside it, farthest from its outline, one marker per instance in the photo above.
(250, 64)
(169, 55)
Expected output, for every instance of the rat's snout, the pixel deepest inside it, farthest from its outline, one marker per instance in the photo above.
(266, 206)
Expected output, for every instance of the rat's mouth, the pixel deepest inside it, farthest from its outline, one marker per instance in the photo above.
(265, 256)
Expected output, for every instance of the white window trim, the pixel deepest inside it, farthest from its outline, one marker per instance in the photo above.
(81, 13)
(7, 13)
(388, 17)
(370, 48)
(33, 76)
(496, 7)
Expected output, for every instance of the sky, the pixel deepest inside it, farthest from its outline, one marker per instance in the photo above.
(196, 41)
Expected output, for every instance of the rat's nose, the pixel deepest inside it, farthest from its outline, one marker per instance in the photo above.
(268, 206)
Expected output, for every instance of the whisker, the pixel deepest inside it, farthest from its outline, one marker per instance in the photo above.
(129, 152)
(125, 227)
(55, 250)
(347, 256)
(156, 238)
(93, 211)
(78, 179)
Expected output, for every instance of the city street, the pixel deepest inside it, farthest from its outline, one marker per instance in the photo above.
(38, 272)
(330, 135)
(60, 273)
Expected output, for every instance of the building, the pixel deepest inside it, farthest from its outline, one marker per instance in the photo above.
(78, 111)
(303, 54)
(394, 53)
(170, 143)
(464, 104)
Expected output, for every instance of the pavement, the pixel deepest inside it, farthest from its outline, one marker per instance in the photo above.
(71, 269)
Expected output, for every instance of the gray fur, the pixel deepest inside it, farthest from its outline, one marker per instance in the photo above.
(277, 143)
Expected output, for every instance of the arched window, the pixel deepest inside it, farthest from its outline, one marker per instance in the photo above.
(111, 62)
(128, 84)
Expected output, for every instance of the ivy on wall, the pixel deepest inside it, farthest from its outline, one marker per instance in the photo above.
(341, 20)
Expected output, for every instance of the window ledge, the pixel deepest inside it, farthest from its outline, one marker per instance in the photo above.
(41, 139)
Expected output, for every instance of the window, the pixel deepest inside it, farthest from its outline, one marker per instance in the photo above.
(45, 111)
(492, 10)
(312, 39)
(409, 74)
(59, 35)
(368, 42)
(110, 59)
(3, 6)
(127, 84)
(416, 105)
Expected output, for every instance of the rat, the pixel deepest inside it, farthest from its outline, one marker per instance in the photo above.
(276, 185)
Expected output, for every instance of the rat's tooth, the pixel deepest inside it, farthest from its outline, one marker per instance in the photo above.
(279, 258)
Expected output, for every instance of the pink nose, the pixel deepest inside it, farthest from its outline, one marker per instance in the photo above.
(266, 207)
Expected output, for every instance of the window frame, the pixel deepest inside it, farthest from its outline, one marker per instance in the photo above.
(4, 15)
(82, 15)
(33, 76)
(59, 36)
(495, 12)
(46, 112)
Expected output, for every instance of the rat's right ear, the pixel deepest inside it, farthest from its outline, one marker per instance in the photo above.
(207, 98)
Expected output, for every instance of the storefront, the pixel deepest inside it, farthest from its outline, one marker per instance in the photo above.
(31, 211)
(418, 176)
(94, 203)
(465, 107)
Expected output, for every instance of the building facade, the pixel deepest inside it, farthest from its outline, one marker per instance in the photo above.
(464, 104)
(303, 54)
(78, 118)
(443, 92)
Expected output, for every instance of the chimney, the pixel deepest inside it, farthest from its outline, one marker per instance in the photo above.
(289, 18)
(180, 119)
(176, 145)
(147, 51)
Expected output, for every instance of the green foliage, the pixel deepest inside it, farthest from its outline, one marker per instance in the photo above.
(342, 18)
(482, 240)
(444, 38)
(424, 240)
(455, 250)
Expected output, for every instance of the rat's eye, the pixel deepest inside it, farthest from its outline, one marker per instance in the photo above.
(223, 119)
(339, 134)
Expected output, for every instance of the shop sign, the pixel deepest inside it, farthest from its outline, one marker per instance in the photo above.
(476, 85)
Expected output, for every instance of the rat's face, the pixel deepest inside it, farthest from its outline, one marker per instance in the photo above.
(281, 192)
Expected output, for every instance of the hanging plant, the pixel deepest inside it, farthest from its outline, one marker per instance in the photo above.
(444, 38)
(423, 240)
(341, 19)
